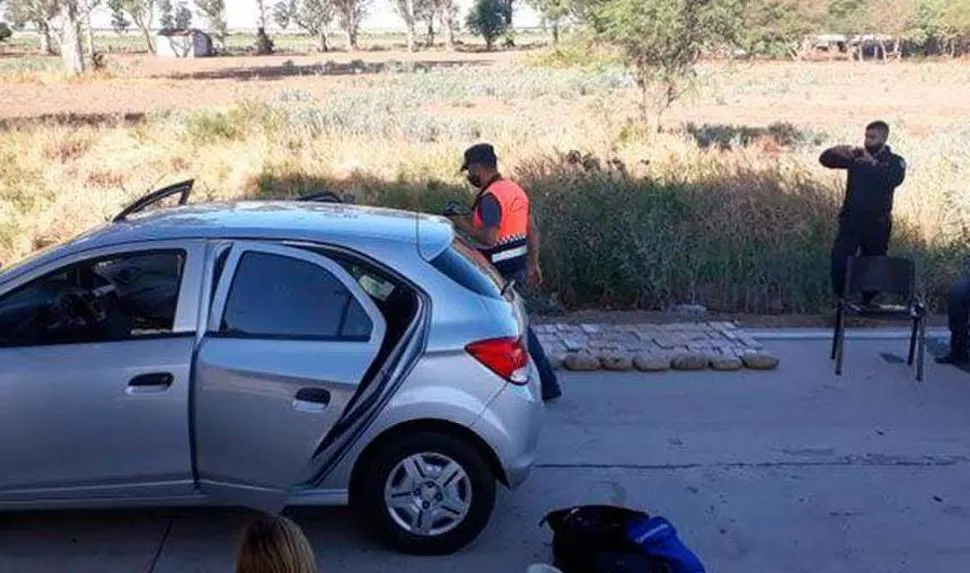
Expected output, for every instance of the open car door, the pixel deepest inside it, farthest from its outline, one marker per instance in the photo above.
(291, 337)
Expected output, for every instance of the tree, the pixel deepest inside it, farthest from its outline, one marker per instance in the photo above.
(508, 10)
(350, 13)
(120, 22)
(40, 13)
(889, 18)
(411, 11)
(261, 13)
(487, 19)
(553, 13)
(313, 16)
(662, 40)
(5, 32)
(166, 14)
(777, 27)
(447, 14)
(959, 17)
(941, 26)
(183, 16)
(141, 13)
(215, 14)
(283, 13)
(69, 16)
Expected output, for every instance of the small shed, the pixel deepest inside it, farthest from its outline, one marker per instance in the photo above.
(188, 43)
(823, 46)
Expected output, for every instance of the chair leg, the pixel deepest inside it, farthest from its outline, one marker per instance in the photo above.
(922, 349)
(839, 319)
(912, 341)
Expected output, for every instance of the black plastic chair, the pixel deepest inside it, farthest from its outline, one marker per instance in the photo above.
(887, 276)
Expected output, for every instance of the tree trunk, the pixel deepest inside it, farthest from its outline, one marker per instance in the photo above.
(72, 52)
(429, 41)
(351, 39)
(148, 40)
(46, 42)
(412, 32)
(555, 33)
(261, 5)
(449, 24)
(411, 37)
(89, 37)
(322, 37)
(648, 112)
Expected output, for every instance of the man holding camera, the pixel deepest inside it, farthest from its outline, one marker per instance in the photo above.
(865, 221)
(501, 223)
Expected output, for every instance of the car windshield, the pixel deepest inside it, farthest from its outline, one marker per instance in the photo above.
(11, 269)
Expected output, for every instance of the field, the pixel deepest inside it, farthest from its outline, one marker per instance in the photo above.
(728, 207)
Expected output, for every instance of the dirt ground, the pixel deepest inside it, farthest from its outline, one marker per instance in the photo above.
(141, 83)
(923, 95)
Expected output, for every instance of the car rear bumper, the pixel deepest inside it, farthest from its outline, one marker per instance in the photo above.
(511, 424)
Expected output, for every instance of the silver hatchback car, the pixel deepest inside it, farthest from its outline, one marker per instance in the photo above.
(267, 354)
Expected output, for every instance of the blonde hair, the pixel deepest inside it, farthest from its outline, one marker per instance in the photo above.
(274, 544)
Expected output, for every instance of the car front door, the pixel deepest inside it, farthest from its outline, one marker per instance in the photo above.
(95, 358)
(290, 339)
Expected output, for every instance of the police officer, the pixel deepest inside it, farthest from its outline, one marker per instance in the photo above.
(865, 221)
(501, 223)
(958, 315)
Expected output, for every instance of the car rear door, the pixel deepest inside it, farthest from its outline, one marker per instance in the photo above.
(291, 336)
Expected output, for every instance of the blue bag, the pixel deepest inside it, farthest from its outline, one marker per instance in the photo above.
(611, 539)
(657, 537)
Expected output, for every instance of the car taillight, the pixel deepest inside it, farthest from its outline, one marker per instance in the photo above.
(506, 357)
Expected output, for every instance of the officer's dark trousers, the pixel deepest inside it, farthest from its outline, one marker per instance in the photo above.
(958, 314)
(547, 374)
(866, 235)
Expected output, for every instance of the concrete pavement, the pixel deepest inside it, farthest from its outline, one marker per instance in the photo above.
(781, 471)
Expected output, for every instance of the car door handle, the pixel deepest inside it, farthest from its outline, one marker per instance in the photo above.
(311, 399)
(160, 380)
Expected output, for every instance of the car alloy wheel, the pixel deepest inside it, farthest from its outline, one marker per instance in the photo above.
(428, 494)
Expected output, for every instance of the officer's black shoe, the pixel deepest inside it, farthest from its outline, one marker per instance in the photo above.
(549, 397)
(955, 359)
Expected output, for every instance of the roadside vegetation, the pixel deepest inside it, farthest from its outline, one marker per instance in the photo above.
(658, 180)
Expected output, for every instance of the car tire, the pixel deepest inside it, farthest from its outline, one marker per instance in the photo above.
(391, 498)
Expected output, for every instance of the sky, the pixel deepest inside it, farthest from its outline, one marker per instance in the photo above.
(242, 14)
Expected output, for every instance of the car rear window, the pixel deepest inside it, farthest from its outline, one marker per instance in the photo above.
(469, 268)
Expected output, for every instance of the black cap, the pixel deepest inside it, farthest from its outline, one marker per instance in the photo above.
(480, 153)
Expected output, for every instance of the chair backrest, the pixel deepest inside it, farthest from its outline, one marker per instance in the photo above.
(889, 275)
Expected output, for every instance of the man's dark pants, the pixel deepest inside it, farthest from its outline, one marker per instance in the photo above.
(866, 235)
(547, 374)
(958, 314)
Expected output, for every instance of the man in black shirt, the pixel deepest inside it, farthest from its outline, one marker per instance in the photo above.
(865, 221)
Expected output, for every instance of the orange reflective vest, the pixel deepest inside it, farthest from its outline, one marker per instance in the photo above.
(510, 252)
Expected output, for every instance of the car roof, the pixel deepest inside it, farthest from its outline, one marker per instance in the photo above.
(272, 219)
(337, 223)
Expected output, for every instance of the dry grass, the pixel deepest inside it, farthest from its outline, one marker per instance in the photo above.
(660, 220)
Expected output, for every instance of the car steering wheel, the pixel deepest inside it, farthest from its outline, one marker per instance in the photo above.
(79, 306)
